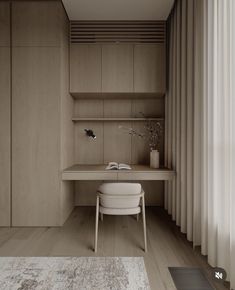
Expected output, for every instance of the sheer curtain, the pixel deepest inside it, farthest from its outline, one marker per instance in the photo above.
(200, 126)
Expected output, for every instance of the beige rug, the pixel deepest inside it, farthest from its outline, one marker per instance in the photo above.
(73, 273)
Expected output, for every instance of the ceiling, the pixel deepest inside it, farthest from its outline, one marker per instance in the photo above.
(118, 9)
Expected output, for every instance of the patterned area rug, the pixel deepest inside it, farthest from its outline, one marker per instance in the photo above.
(73, 273)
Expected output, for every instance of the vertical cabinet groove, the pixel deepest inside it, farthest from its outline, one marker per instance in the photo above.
(5, 116)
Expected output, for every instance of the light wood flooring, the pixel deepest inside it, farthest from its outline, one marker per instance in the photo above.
(118, 236)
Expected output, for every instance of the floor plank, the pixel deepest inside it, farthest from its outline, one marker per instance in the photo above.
(118, 236)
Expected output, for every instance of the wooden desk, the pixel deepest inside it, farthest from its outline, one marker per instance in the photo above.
(98, 172)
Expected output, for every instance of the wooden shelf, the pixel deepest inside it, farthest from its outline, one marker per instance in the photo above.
(123, 95)
(116, 119)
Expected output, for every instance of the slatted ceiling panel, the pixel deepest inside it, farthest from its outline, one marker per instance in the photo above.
(117, 31)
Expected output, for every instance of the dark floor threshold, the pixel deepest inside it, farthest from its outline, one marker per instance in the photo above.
(186, 278)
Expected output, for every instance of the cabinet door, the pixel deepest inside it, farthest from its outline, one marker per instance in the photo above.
(36, 23)
(5, 23)
(35, 136)
(117, 68)
(149, 68)
(85, 68)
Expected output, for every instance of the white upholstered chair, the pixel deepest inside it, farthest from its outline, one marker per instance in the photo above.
(120, 199)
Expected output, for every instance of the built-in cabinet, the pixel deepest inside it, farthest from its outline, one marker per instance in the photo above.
(36, 132)
(35, 135)
(117, 68)
(85, 68)
(149, 68)
(41, 109)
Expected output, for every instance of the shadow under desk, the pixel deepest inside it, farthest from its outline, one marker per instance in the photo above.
(98, 172)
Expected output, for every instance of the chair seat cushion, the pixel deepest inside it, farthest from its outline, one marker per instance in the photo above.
(120, 211)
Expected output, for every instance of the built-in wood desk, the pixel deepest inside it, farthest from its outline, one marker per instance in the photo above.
(98, 172)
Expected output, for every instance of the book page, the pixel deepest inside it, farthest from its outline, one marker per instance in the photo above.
(122, 166)
(112, 165)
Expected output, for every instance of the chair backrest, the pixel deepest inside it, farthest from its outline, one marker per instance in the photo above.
(120, 195)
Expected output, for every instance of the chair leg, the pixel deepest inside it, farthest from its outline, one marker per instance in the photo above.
(144, 224)
(137, 217)
(101, 217)
(96, 222)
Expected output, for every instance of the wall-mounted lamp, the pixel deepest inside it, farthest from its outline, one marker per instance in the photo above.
(90, 133)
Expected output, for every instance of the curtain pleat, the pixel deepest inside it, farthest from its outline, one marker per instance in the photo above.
(205, 136)
(211, 95)
(200, 126)
(178, 112)
(173, 96)
(183, 119)
(197, 119)
(232, 141)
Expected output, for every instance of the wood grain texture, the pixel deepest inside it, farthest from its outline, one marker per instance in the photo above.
(5, 23)
(118, 237)
(149, 68)
(5, 136)
(66, 126)
(89, 150)
(88, 108)
(117, 144)
(116, 119)
(86, 192)
(117, 108)
(117, 68)
(36, 136)
(100, 95)
(149, 107)
(98, 172)
(36, 23)
(85, 68)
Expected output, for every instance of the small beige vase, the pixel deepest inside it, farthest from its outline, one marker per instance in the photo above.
(154, 159)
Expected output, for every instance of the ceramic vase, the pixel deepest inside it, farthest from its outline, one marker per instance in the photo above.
(154, 159)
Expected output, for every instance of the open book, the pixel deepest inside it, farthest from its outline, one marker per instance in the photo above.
(116, 166)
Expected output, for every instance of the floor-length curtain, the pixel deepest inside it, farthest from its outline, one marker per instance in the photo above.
(200, 126)
(183, 114)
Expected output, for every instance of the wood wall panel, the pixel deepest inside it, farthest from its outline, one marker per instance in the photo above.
(89, 150)
(117, 108)
(5, 23)
(149, 68)
(66, 125)
(86, 192)
(85, 68)
(35, 136)
(150, 107)
(117, 143)
(89, 108)
(5, 137)
(36, 23)
(117, 68)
